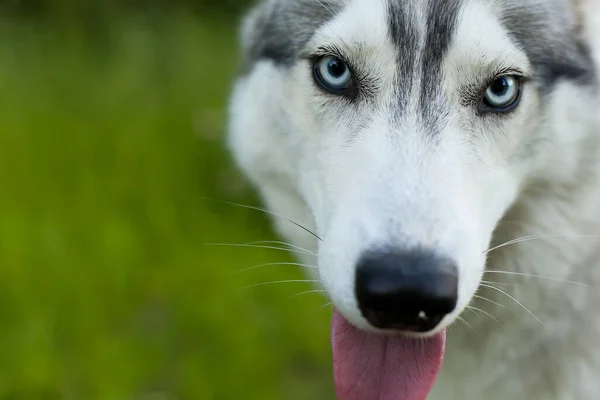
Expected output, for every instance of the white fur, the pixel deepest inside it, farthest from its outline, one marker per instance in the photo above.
(361, 181)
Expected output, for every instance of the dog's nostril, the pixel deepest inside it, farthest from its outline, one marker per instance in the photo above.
(408, 291)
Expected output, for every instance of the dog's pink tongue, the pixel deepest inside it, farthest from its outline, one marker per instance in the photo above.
(374, 367)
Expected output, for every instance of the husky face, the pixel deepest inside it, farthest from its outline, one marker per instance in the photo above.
(403, 131)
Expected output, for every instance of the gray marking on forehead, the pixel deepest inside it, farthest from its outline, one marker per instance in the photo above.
(422, 37)
(442, 18)
(548, 33)
(403, 30)
(278, 29)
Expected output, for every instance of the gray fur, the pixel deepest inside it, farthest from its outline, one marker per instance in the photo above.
(422, 46)
(404, 33)
(548, 32)
(279, 29)
(441, 23)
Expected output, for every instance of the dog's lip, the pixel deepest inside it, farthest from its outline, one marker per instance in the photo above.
(412, 334)
(370, 365)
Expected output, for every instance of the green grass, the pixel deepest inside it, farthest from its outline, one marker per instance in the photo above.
(108, 147)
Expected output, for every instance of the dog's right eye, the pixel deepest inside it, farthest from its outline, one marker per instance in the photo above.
(333, 74)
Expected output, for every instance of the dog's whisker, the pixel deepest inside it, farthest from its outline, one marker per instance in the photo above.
(512, 298)
(475, 309)
(513, 241)
(254, 246)
(489, 301)
(541, 277)
(537, 237)
(303, 293)
(264, 210)
(469, 326)
(499, 283)
(275, 242)
(325, 306)
(274, 264)
(282, 282)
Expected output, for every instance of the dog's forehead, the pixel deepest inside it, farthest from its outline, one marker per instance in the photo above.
(546, 30)
(422, 33)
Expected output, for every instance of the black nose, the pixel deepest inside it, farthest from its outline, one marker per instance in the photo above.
(408, 291)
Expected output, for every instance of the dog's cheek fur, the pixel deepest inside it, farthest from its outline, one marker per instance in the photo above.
(256, 131)
(262, 140)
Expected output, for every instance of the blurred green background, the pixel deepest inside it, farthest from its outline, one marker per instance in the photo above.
(111, 128)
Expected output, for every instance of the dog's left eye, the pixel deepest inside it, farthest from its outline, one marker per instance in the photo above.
(332, 74)
(503, 94)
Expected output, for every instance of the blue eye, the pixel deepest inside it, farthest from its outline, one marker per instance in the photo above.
(503, 93)
(332, 74)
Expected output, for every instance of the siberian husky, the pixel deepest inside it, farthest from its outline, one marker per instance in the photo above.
(446, 156)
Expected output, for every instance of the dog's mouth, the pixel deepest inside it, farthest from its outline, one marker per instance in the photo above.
(372, 366)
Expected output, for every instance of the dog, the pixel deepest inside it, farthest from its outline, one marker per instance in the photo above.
(443, 157)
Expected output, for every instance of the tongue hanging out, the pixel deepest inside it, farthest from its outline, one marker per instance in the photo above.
(376, 367)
